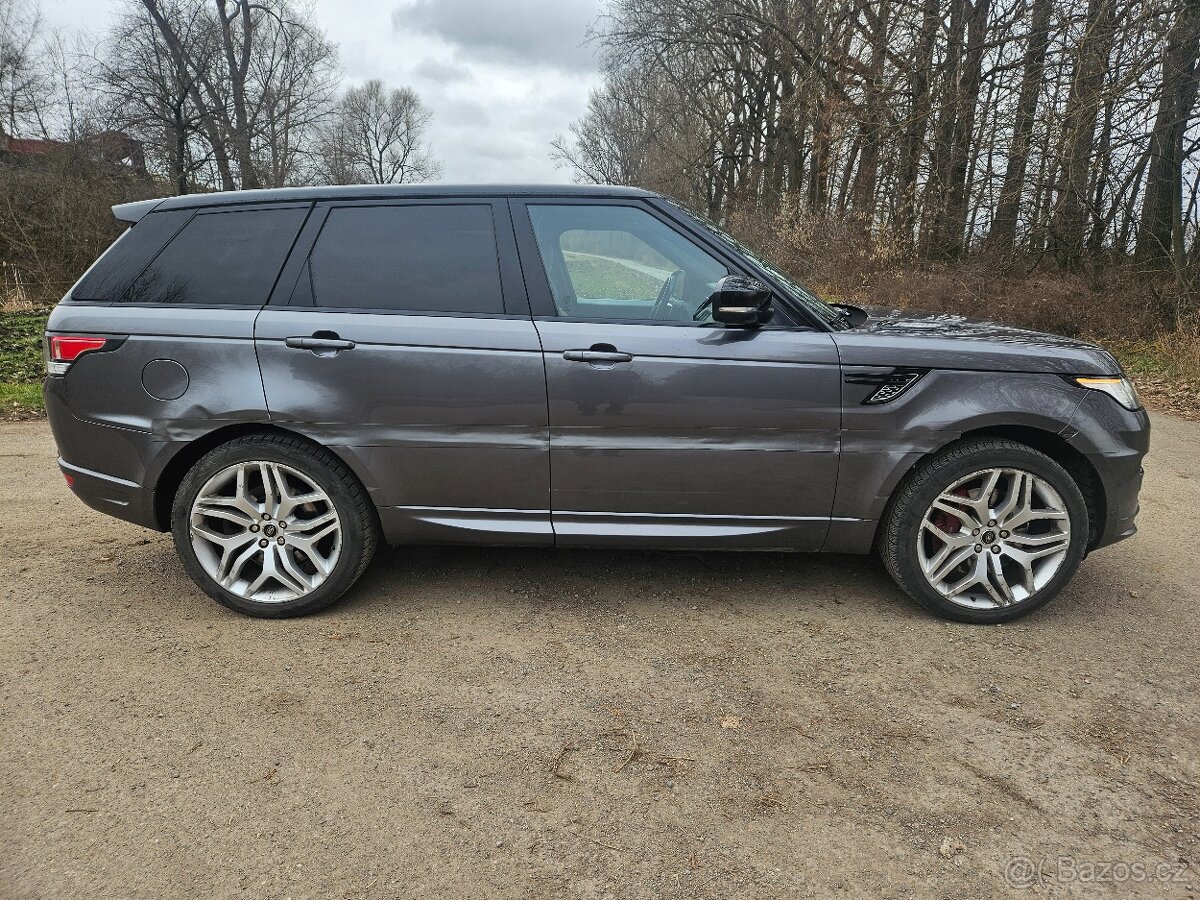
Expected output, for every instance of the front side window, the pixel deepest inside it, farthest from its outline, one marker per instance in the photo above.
(220, 258)
(620, 262)
(418, 257)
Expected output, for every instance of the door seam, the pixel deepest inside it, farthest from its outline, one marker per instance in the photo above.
(545, 374)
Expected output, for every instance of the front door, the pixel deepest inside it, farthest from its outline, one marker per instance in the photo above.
(665, 428)
(404, 343)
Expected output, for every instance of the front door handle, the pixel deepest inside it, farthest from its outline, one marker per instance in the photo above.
(600, 357)
(318, 343)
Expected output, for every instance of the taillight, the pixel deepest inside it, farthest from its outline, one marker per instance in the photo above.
(65, 349)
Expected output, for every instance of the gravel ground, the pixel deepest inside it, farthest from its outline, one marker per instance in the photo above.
(504, 723)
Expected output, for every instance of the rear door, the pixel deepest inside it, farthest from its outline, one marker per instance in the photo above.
(405, 342)
(665, 428)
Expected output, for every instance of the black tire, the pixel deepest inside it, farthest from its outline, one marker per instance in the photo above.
(356, 515)
(900, 528)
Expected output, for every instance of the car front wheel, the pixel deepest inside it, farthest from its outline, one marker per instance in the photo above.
(986, 531)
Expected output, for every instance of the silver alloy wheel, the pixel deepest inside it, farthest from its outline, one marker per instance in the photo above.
(994, 538)
(265, 532)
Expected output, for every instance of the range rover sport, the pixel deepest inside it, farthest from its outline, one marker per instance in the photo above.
(285, 379)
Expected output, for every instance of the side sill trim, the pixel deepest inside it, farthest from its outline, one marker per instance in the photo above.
(701, 518)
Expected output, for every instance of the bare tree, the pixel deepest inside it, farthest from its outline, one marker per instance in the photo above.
(1004, 225)
(24, 85)
(376, 136)
(296, 78)
(150, 94)
(1079, 130)
(1033, 125)
(262, 76)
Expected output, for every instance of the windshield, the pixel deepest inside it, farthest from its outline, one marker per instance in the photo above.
(797, 292)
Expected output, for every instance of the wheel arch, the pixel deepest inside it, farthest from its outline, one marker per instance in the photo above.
(1051, 443)
(167, 483)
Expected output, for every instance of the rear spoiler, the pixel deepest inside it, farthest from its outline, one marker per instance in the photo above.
(133, 212)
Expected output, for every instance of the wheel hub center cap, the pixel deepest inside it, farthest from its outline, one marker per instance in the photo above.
(988, 536)
(269, 530)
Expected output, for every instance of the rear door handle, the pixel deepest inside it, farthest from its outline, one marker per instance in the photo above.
(318, 343)
(598, 356)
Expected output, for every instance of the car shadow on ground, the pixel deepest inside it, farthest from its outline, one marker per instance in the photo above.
(565, 579)
(449, 579)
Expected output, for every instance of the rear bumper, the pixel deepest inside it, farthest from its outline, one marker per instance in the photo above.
(106, 493)
(123, 453)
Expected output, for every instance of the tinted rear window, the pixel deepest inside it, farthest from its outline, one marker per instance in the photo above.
(220, 258)
(114, 272)
(422, 258)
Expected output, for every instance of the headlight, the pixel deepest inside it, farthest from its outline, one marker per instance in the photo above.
(1120, 389)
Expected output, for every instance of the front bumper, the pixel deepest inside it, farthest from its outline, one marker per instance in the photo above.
(1115, 441)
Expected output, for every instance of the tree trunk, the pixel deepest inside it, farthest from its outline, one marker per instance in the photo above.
(1004, 225)
(1099, 187)
(954, 225)
(210, 124)
(1156, 241)
(818, 169)
(941, 154)
(237, 58)
(1070, 218)
(918, 119)
(867, 177)
(179, 159)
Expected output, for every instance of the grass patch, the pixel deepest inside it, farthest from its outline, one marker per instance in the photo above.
(597, 278)
(21, 348)
(21, 364)
(21, 398)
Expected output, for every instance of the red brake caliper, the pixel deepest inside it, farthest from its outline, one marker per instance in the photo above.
(946, 522)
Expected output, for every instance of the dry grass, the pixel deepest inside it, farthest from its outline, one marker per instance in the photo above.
(1166, 369)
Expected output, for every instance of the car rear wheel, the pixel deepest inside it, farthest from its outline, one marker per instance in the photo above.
(273, 526)
(986, 531)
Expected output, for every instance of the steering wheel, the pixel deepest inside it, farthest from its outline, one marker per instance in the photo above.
(669, 293)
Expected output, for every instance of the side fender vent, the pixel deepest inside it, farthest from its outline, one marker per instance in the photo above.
(888, 385)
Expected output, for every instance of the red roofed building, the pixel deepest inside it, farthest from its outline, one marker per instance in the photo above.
(111, 147)
(26, 146)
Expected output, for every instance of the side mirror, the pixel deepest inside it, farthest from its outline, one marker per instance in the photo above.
(741, 301)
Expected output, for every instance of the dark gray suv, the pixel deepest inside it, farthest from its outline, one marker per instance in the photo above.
(285, 378)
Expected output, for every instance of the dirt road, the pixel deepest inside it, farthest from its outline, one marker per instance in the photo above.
(502, 723)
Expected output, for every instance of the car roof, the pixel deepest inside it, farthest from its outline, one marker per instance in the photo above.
(132, 212)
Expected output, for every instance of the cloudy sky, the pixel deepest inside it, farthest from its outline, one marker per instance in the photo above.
(502, 77)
